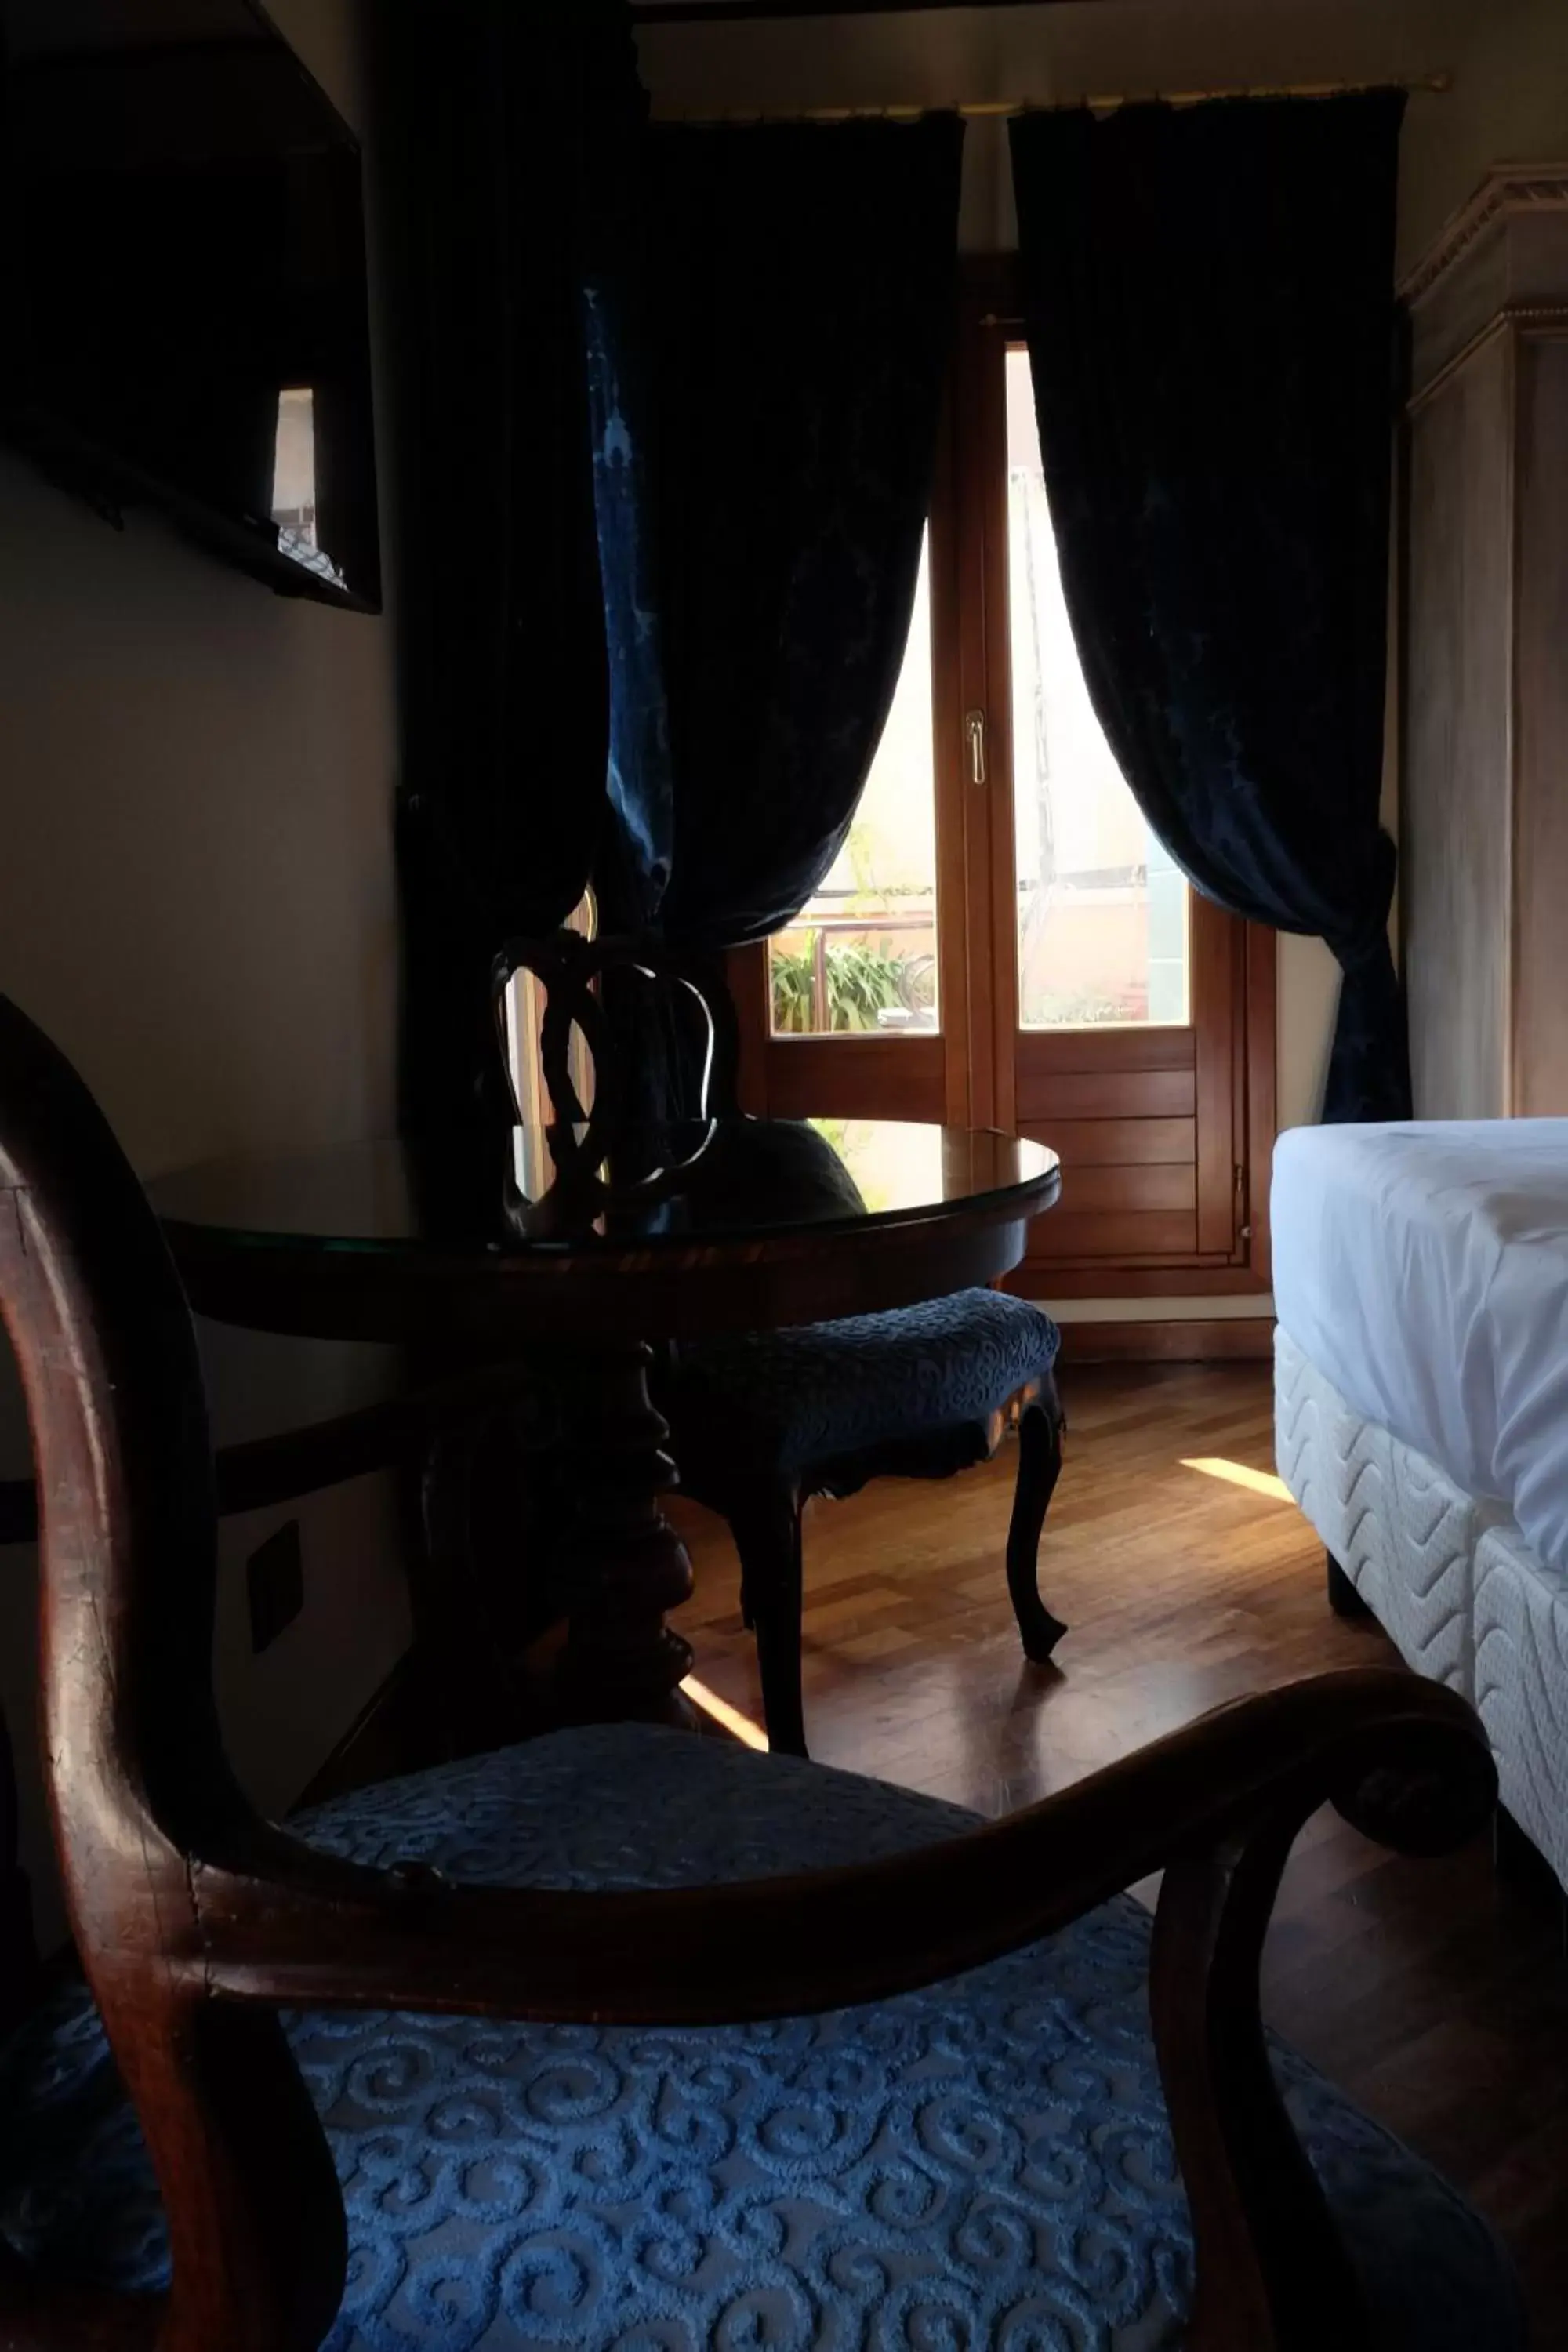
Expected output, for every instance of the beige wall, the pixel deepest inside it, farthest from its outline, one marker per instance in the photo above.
(1509, 105)
(1013, 55)
(1508, 59)
(196, 901)
(1509, 65)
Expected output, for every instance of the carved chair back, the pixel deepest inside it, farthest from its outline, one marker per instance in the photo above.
(140, 1783)
(601, 997)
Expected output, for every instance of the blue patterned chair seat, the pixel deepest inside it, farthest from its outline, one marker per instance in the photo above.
(984, 2163)
(789, 1398)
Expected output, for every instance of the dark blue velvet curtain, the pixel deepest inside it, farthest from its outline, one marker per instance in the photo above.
(1212, 332)
(767, 371)
(513, 130)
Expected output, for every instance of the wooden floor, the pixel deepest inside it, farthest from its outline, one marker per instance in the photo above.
(1437, 1994)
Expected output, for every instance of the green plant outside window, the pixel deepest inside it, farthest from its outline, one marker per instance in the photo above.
(862, 983)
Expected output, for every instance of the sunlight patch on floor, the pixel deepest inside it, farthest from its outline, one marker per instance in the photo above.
(1237, 1474)
(720, 1711)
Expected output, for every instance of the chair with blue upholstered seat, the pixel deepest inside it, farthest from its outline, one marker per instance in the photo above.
(984, 2161)
(762, 1421)
(630, 2039)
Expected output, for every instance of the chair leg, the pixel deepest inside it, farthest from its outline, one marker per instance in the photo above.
(1343, 1598)
(1039, 1467)
(765, 1523)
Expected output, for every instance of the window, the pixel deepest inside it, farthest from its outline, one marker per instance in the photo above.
(1102, 913)
(294, 468)
(294, 485)
(1004, 940)
(862, 956)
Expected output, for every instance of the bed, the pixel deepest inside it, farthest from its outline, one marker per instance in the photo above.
(1421, 1409)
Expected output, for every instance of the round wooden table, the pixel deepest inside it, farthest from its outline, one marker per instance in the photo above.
(741, 1224)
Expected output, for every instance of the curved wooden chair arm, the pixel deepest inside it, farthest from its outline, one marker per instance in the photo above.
(1403, 1758)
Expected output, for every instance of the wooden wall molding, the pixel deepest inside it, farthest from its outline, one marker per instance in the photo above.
(1514, 318)
(1508, 188)
(1504, 254)
(1224, 1340)
(1107, 1279)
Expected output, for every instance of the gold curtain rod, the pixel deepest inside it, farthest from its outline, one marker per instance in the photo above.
(1108, 103)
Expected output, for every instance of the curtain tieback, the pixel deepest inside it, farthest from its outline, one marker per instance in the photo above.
(1364, 954)
(1363, 950)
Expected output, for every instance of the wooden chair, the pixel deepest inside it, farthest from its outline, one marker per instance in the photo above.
(763, 1422)
(760, 1424)
(269, 2117)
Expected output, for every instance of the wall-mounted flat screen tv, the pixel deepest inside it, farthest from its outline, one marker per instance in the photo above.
(182, 269)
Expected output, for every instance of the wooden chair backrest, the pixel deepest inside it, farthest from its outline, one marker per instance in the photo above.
(139, 1782)
(107, 1352)
(594, 998)
(104, 1344)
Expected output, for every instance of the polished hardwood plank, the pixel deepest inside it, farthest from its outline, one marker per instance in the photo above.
(1437, 1994)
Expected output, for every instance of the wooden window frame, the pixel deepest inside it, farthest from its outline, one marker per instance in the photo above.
(1219, 1071)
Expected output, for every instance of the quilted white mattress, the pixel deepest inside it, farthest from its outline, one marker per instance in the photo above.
(1451, 1579)
(1424, 1270)
(1405, 1534)
(1521, 1685)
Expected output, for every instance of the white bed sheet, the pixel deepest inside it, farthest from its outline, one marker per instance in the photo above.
(1424, 1270)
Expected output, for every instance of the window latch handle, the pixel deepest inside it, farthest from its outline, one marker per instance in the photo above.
(975, 731)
